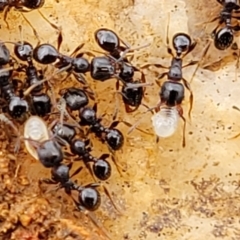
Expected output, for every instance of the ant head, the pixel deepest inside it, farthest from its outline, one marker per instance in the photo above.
(78, 147)
(33, 4)
(80, 64)
(89, 198)
(181, 42)
(4, 54)
(88, 116)
(115, 139)
(126, 72)
(102, 169)
(23, 50)
(223, 39)
(60, 173)
(45, 54)
(17, 107)
(107, 39)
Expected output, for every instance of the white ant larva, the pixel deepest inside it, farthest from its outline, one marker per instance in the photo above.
(35, 129)
(165, 121)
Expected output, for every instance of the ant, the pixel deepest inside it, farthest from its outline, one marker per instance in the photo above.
(113, 137)
(40, 101)
(17, 106)
(88, 197)
(24, 6)
(78, 65)
(101, 167)
(172, 91)
(223, 37)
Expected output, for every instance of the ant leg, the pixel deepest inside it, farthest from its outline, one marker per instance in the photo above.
(111, 199)
(77, 49)
(190, 64)
(51, 24)
(59, 40)
(205, 51)
(116, 105)
(34, 30)
(78, 170)
(162, 75)
(236, 136)
(80, 78)
(187, 85)
(155, 65)
(169, 50)
(180, 112)
(6, 11)
(47, 181)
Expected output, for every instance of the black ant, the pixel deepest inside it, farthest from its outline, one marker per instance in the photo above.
(16, 105)
(223, 37)
(113, 137)
(40, 101)
(101, 167)
(172, 91)
(78, 65)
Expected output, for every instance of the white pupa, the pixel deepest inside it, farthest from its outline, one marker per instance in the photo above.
(165, 122)
(36, 129)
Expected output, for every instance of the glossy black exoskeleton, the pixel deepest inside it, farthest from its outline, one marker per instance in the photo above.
(50, 153)
(88, 197)
(111, 135)
(224, 36)
(75, 98)
(77, 65)
(20, 5)
(60, 175)
(64, 131)
(40, 101)
(101, 167)
(109, 41)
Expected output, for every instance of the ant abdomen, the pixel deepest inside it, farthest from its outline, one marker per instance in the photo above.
(107, 39)
(33, 4)
(102, 169)
(223, 39)
(45, 54)
(115, 139)
(89, 198)
(165, 122)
